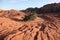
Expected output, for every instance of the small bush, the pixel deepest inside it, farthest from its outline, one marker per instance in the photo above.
(26, 18)
(31, 16)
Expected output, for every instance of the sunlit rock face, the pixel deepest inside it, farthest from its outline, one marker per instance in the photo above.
(44, 27)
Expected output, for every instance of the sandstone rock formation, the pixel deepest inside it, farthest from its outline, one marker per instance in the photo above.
(44, 27)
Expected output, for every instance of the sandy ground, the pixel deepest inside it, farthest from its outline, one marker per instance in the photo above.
(44, 27)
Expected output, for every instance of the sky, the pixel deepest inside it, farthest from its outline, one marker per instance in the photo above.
(23, 4)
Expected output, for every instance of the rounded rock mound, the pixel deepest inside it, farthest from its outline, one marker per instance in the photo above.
(44, 27)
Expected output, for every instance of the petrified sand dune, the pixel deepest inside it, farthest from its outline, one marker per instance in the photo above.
(45, 27)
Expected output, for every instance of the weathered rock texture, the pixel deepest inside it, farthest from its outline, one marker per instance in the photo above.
(44, 27)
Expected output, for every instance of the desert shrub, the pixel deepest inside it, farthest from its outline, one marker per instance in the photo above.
(26, 18)
(31, 16)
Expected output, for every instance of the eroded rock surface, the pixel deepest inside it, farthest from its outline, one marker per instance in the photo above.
(45, 27)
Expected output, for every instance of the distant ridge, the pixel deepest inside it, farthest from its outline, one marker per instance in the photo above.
(49, 8)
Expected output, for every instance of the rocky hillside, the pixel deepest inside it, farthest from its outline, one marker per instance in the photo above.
(49, 8)
(44, 27)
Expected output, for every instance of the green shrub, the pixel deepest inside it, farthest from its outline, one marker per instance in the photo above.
(31, 16)
(26, 18)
